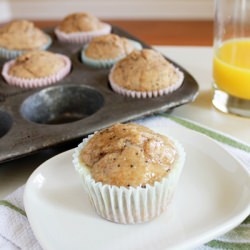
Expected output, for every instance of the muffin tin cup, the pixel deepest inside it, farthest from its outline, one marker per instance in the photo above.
(146, 94)
(5, 123)
(36, 82)
(105, 63)
(81, 37)
(11, 54)
(61, 104)
(130, 205)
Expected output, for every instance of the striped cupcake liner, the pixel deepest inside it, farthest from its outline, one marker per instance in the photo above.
(12, 54)
(81, 37)
(146, 94)
(129, 205)
(36, 82)
(105, 63)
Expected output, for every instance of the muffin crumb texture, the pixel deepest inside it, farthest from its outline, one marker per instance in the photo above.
(36, 64)
(22, 35)
(128, 155)
(80, 22)
(144, 70)
(109, 46)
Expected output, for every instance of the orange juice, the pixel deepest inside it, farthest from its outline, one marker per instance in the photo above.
(231, 68)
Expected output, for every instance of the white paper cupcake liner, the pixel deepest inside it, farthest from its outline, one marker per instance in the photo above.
(146, 94)
(81, 37)
(36, 82)
(11, 54)
(130, 205)
(105, 63)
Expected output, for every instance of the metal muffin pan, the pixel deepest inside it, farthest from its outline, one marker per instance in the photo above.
(81, 103)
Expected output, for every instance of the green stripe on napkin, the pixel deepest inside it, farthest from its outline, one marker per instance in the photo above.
(213, 134)
(238, 238)
(247, 221)
(11, 206)
(217, 244)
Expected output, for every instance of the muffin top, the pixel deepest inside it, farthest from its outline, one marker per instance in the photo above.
(22, 35)
(36, 64)
(108, 46)
(144, 70)
(80, 22)
(128, 155)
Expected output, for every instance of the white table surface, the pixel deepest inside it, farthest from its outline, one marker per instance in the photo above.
(198, 61)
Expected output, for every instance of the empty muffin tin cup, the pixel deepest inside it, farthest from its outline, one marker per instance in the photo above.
(5, 123)
(61, 104)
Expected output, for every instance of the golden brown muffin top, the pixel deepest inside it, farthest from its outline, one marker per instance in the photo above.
(80, 22)
(144, 70)
(128, 155)
(22, 35)
(36, 64)
(108, 46)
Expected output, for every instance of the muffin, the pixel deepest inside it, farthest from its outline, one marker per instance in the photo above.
(104, 51)
(145, 73)
(18, 37)
(81, 28)
(36, 69)
(129, 172)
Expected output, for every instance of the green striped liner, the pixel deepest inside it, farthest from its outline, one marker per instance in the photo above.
(11, 206)
(105, 63)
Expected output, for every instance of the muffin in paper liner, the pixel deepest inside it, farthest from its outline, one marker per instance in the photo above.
(130, 205)
(145, 73)
(146, 94)
(36, 82)
(12, 54)
(82, 37)
(107, 63)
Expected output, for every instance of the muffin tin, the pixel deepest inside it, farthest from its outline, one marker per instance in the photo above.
(81, 103)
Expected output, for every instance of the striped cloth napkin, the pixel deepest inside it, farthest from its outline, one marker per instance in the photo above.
(16, 233)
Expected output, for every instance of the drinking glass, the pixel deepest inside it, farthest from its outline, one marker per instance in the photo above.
(231, 62)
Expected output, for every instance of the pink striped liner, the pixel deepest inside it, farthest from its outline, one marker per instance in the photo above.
(82, 37)
(36, 82)
(146, 94)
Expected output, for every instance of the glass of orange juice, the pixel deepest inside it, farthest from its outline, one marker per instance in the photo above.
(231, 62)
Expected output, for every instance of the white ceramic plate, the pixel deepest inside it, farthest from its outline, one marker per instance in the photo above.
(212, 197)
